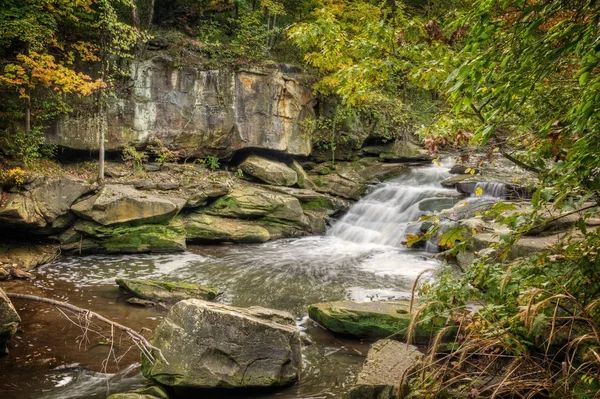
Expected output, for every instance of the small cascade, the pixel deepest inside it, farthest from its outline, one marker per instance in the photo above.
(492, 190)
(383, 216)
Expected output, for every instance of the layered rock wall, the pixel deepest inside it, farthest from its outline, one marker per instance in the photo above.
(200, 112)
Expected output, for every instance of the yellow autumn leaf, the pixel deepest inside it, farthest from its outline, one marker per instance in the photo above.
(472, 172)
(477, 213)
(478, 191)
(516, 179)
(473, 231)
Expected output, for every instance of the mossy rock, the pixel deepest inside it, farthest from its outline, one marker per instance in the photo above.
(90, 237)
(167, 291)
(201, 227)
(370, 319)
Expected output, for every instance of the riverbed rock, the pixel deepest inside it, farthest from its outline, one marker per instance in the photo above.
(339, 186)
(87, 237)
(200, 112)
(210, 345)
(313, 201)
(379, 319)
(247, 201)
(199, 193)
(4, 274)
(28, 257)
(116, 204)
(270, 171)
(201, 227)
(167, 291)
(511, 183)
(9, 321)
(44, 209)
(152, 392)
(387, 362)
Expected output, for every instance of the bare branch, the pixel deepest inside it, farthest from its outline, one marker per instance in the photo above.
(140, 341)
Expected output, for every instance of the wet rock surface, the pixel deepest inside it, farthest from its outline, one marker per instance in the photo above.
(9, 321)
(166, 291)
(210, 345)
(383, 370)
(368, 319)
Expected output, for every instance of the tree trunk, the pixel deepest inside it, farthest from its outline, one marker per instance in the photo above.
(150, 14)
(102, 138)
(28, 112)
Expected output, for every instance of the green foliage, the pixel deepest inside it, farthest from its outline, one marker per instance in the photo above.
(23, 147)
(211, 162)
(161, 153)
(134, 157)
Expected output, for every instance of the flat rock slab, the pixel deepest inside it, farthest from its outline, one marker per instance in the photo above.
(209, 345)
(120, 204)
(269, 171)
(201, 227)
(369, 319)
(381, 374)
(167, 291)
(27, 257)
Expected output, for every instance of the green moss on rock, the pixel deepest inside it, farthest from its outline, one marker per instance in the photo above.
(167, 291)
(370, 319)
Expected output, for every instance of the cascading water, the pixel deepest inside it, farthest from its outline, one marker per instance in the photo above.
(382, 216)
(360, 259)
(492, 190)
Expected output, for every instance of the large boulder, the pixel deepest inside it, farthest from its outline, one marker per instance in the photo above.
(209, 345)
(313, 201)
(43, 208)
(247, 201)
(27, 257)
(116, 204)
(381, 375)
(200, 112)
(9, 321)
(269, 171)
(87, 237)
(201, 227)
(168, 291)
(378, 319)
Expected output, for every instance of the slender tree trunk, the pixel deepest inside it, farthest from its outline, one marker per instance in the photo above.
(150, 14)
(102, 138)
(28, 112)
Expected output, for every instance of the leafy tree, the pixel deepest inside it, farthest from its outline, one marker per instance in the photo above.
(37, 55)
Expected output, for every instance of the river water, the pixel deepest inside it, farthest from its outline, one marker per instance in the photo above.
(361, 258)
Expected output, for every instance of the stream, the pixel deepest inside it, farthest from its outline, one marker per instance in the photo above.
(361, 258)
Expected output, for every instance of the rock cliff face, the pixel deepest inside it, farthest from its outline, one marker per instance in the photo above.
(200, 112)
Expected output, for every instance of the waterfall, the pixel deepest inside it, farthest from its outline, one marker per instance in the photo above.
(492, 190)
(382, 216)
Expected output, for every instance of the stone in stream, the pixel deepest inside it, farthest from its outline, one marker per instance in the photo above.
(269, 171)
(9, 321)
(202, 227)
(167, 291)
(387, 363)
(369, 319)
(152, 392)
(210, 345)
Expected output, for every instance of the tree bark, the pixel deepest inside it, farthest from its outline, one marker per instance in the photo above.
(28, 112)
(150, 14)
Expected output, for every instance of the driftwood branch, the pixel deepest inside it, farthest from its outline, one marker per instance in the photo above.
(142, 343)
